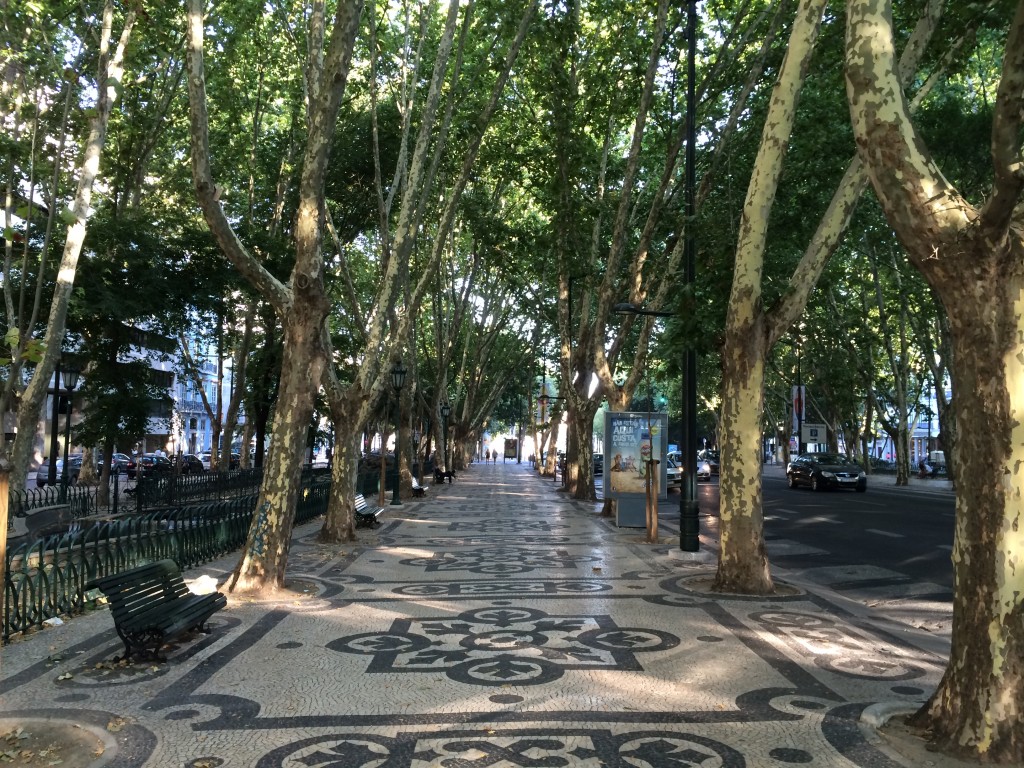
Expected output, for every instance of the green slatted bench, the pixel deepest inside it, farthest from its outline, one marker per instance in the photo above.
(366, 513)
(152, 606)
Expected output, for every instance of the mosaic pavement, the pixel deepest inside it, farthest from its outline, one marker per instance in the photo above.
(493, 624)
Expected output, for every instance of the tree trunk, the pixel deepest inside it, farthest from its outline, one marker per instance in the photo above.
(976, 710)
(974, 260)
(265, 557)
(110, 71)
(742, 560)
(339, 523)
(302, 303)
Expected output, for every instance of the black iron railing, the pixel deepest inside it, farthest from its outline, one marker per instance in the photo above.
(46, 577)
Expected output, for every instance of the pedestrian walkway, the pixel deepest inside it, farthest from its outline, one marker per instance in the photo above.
(494, 623)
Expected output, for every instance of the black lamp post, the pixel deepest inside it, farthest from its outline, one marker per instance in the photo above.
(398, 373)
(519, 433)
(689, 519)
(544, 399)
(51, 474)
(446, 411)
(70, 376)
(689, 511)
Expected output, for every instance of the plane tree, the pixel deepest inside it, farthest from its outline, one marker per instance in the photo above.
(759, 312)
(971, 252)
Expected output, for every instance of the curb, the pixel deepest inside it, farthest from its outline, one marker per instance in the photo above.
(877, 715)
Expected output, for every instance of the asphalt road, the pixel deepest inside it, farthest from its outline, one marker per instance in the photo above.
(888, 550)
(904, 529)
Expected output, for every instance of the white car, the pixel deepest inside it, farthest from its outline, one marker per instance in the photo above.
(205, 458)
(674, 473)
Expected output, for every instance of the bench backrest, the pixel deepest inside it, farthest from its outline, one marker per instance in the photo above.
(360, 503)
(131, 592)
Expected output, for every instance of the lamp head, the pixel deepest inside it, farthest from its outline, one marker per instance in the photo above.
(70, 376)
(398, 373)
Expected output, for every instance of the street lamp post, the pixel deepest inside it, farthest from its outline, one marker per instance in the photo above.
(689, 520)
(398, 373)
(70, 376)
(544, 399)
(446, 411)
(51, 474)
(519, 433)
(689, 509)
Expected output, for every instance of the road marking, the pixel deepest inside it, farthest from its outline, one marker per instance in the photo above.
(820, 519)
(885, 533)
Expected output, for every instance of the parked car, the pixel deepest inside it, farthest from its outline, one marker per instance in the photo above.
(826, 470)
(74, 469)
(675, 470)
(706, 468)
(190, 464)
(118, 464)
(674, 473)
(711, 457)
(148, 465)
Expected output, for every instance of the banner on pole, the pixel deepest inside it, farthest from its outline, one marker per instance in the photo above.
(799, 415)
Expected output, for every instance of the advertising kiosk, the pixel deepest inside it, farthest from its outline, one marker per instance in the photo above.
(631, 439)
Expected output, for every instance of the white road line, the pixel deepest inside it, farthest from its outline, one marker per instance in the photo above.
(885, 533)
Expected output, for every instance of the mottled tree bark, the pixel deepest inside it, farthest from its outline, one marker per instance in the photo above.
(302, 303)
(742, 562)
(974, 260)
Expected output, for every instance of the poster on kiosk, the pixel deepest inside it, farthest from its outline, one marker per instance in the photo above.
(631, 438)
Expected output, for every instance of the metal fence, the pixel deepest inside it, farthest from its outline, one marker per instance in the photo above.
(78, 501)
(150, 492)
(46, 577)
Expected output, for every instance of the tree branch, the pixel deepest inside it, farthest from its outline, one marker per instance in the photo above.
(207, 193)
(1007, 160)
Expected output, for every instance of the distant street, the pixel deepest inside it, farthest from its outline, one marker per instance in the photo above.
(888, 549)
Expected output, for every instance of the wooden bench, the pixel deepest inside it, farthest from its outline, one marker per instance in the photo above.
(152, 605)
(366, 514)
(418, 491)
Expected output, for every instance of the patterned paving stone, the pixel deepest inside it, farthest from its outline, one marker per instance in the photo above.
(492, 624)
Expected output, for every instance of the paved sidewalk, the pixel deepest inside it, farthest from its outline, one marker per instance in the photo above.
(494, 623)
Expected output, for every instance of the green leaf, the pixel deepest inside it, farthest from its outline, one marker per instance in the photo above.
(68, 217)
(11, 337)
(34, 351)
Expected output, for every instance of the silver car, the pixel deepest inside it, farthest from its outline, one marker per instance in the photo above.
(74, 468)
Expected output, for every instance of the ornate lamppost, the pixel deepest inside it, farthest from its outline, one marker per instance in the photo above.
(70, 376)
(51, 474)
(446, 411)
(398, 373)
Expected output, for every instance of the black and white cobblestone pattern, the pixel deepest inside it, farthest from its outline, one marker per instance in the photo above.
(496, 624)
